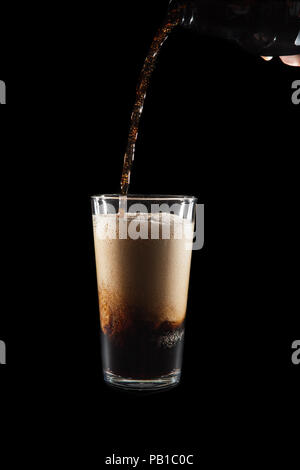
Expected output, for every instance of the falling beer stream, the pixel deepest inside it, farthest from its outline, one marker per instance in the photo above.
(174, 18)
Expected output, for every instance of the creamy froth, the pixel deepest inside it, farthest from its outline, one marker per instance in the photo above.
(142, 277)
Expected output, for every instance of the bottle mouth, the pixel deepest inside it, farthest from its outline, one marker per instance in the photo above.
(179, 10)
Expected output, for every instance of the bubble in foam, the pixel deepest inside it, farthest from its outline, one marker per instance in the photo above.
(170, 339)
(105, 226)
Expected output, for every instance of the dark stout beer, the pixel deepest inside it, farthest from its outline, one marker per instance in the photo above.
(143, 288)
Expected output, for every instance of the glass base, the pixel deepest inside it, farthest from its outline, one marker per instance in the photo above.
(163, 382)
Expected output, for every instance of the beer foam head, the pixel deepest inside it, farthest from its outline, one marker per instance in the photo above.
(145, 274)
(142, 225)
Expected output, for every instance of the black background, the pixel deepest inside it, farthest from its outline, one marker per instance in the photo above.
(218, 124)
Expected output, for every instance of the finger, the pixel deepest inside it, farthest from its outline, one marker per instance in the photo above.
(267, 58)
(293, 60)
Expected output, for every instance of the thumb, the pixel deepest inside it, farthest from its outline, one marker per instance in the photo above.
(267, 58)
(293, 60)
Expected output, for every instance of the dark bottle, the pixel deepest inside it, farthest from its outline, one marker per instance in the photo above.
(264, 27)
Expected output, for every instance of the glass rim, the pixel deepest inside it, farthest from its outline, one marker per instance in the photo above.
(146, 197)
